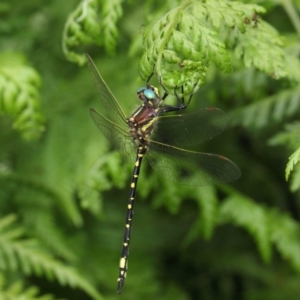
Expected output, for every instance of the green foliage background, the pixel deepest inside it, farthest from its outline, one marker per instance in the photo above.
(63, 189)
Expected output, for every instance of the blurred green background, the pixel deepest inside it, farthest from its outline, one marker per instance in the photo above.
(63, 189)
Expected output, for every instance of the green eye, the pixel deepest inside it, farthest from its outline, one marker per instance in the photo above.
(149, 94)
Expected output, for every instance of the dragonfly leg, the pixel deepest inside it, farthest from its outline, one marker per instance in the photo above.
(181, 100)
(165, 90)
(149, 86)
(181, 105)
(149, 78)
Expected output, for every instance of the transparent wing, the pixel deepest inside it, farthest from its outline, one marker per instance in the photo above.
(112, 109)
(118, 136)
(190, 129)
(191, 168)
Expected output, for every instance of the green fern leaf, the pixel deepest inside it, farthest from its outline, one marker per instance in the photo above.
(207, 202)
(289, 137)
(85, 26)
(273, 108)
(19, 95)
(44, 227)
(95, 181)
(260, 46)
(111, 13)
(16, 291)
(292, 65)
(63, 198)
(189, 36)
(241, 211)
(17, 252)
(295, 179)
(82, 28)
(285, 236)
(293, 160)
(266, 226)
(170, 196)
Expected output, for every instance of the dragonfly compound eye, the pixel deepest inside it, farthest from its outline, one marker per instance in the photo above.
(140, 93)
(146, 95)
(149, 94)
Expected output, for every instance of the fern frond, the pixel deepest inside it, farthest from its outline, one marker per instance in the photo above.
(43, 226)
(85, 26)
(261, 46)
(19, 95)
(82, 28)
(170, 196)
(285, 236)
(207, 202)
(16, 291)
(292, 65)
(62, 199)
(104, 174)
(295, 179)
(189, 37)
(273, 108)
(289, 137)
(293, 160)
(266, 225)
(16, 252)
(111, 13)
(243, 212)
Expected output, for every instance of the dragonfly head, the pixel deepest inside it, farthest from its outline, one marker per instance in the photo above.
(149, 96)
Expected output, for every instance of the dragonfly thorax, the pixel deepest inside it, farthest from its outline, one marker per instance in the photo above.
(141, 124)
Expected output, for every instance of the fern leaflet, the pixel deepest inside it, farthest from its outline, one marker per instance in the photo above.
(243, 212)
(17, 252)
(273, 108)
(19, 95)
(16, 291)
(89, 23)
(293, 160)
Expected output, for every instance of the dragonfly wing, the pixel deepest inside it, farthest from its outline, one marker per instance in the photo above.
(191, 168)
(112, 108)
(118, 136)
(190, 129)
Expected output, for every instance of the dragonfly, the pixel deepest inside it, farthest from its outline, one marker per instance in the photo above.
(150, 131)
